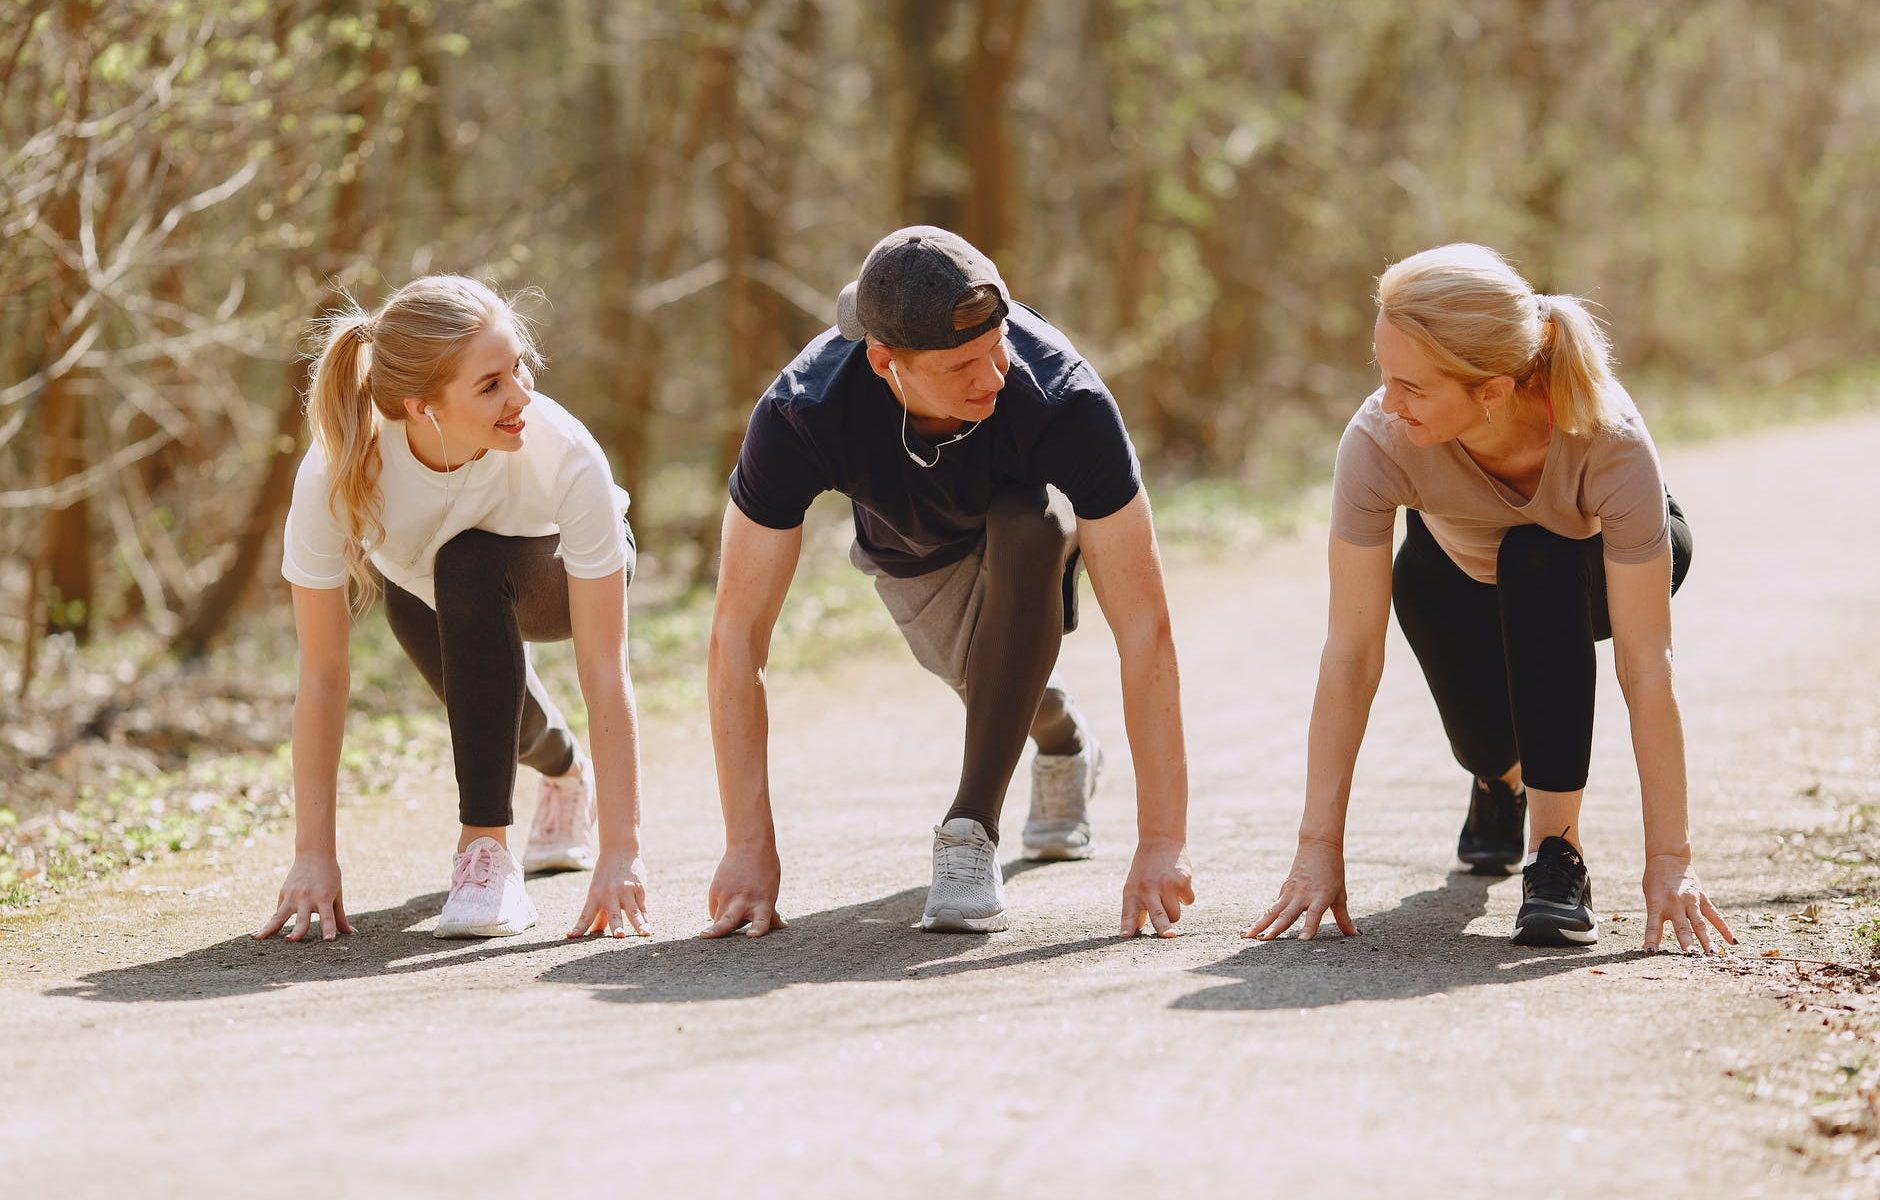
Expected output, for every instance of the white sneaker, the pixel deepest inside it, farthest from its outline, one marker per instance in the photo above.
(1058, 826)
(487, 898)
(968, 892)
(561, 837)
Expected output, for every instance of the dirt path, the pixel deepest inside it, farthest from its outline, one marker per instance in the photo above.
(150, 1049)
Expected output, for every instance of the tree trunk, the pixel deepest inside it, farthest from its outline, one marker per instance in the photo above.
(991, 197)
(348, 228)
(66, 548)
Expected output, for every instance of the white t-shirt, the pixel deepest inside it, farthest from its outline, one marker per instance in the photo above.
(558, 482)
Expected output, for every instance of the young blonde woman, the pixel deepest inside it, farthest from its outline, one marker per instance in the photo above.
(487, 515)
(1539, 524)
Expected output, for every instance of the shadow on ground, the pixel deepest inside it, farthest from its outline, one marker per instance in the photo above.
(1418, 948)
(872, 941)
(390, 942)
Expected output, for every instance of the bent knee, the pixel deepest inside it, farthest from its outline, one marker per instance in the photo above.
(468, 564)
(1529, 552)
(1023, 525)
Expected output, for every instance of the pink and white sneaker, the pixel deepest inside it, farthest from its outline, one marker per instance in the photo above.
(487, 898)
(561, 838)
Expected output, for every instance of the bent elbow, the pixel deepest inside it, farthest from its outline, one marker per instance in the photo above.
(1643, 674)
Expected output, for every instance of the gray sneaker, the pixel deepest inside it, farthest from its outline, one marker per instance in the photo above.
(968, 892)
(1061, 787)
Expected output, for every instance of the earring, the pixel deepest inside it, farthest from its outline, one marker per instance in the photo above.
(1488, 414)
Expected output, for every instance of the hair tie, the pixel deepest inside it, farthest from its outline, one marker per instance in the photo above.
(1543, 308)
(364, 330)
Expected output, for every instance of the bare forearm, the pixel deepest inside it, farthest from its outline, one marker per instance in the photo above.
(1341, 708)
(740, 717)
(1152, 716)
(319, 728)
(614, 739)
(1658, 745)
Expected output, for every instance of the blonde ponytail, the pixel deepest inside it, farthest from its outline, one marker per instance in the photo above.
(347, 430)
(368, 367)
(1478, 318)
(1575, 366)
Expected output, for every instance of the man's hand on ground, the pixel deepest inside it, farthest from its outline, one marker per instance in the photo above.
(743, 894)
(1159, 884)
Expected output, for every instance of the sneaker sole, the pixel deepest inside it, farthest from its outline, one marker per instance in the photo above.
(1545, 931)
(1485, 863)
(1047, 853)
(560, 861)
(500, 929)
(951, 922)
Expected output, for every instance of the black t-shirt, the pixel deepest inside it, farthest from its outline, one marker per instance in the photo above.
(829, 423)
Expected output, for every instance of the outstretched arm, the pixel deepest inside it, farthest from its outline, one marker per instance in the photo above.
(616, 898)
(1126, 572)
(321, 628)
(1349, 670)
(753, 577)
(1638, 600)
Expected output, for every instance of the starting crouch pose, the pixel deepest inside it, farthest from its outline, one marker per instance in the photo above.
(487, 514)
(983, 456)
(1539, 524)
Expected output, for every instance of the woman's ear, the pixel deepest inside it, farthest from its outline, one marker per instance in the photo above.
(417, 410)
(1493, 394)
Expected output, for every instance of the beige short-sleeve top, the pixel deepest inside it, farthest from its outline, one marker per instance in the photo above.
(1609, 484)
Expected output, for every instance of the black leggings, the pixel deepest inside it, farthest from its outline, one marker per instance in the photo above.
(493, 594)
(1511, 663)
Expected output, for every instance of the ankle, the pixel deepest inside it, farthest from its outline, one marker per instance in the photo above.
(496, 833)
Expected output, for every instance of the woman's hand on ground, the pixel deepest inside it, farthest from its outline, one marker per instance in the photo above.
(312, 888)
(743, 894)
(616, 898)
(1672, 893)
(1315, 886)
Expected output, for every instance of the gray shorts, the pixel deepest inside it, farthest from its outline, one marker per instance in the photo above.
(938, 613)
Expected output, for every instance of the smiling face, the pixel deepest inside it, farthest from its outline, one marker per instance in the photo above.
(481, 408)
(1434, 407)
(961, 384)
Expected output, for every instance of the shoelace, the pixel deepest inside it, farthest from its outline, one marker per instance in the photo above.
(476, 868)
(556, 808)
(1555, 878)
(961, 860)
(1499, 810)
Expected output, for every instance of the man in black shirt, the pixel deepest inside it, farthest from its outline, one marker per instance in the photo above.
(982, 457)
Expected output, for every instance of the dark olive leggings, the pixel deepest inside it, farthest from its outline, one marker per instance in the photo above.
(493, 594)
(1030, 539)
(1511, 664)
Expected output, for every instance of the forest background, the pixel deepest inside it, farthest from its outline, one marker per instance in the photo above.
(1200, 192)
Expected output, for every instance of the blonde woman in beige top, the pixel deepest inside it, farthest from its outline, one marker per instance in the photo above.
(1538, 524)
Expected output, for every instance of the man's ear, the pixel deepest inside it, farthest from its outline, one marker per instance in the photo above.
(879, 356)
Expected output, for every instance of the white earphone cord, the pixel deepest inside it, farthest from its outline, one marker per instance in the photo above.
(918, 461)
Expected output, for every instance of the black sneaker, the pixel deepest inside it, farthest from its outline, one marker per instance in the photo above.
(1495, 835)
(1556, 899)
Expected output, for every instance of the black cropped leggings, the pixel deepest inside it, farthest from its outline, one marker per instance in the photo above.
(493, 594)
(1511, 664)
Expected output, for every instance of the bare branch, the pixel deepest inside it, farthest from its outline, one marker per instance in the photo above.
(86, 482)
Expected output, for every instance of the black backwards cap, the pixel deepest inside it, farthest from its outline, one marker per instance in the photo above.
(908, 287)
